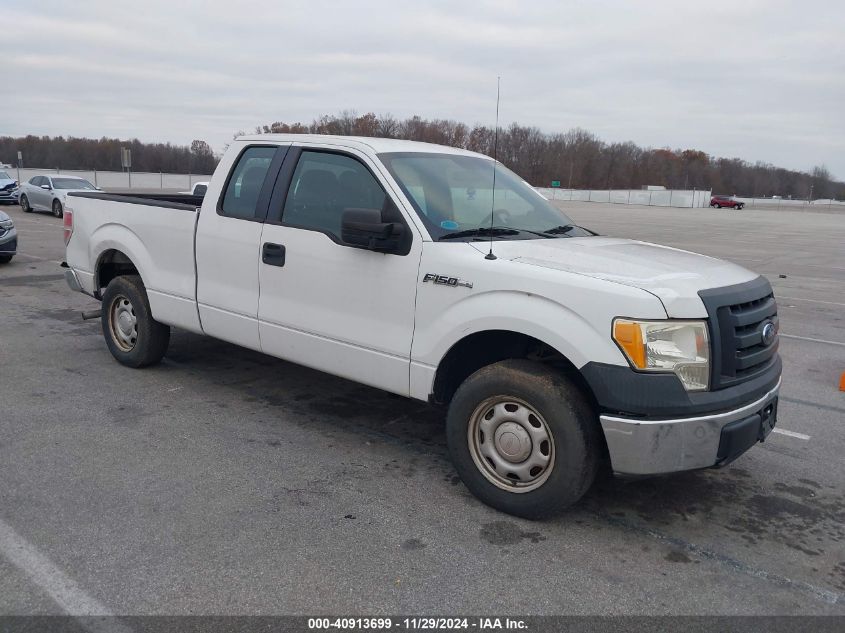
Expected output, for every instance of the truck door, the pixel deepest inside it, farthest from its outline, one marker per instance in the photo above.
(325, 304)
(228, 242)
(40, 198)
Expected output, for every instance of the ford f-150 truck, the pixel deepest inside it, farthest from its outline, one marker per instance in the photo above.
(438, 274)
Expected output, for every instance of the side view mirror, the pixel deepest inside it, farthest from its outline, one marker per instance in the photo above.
(364, 228)
(47, 187)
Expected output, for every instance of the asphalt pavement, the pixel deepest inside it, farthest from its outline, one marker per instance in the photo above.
(227, 482)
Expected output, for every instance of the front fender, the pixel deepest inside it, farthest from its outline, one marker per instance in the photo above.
(580, 331)
(544, 319)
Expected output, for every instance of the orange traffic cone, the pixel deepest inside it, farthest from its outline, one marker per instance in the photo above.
(842, 382)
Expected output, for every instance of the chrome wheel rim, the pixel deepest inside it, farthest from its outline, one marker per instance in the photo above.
(123, 323)
(57, 209)
(511, 444)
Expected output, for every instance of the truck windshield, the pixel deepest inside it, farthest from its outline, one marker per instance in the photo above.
(453, 195)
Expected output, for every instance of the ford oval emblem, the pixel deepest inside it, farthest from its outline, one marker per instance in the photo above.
(768, 333)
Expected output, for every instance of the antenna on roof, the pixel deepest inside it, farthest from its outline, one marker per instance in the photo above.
(490, 255)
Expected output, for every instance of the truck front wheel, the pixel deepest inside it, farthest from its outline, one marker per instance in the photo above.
(134, 338)
(523, 438)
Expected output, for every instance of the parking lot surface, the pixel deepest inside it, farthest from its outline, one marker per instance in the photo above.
(227, 482)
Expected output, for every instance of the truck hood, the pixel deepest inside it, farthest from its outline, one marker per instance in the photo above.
(673, 275)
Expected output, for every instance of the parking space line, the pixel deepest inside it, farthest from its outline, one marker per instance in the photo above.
(813, 340)
(810, 403)
(37, 258)
(830, 303)
(823, 266)
(799, 436)
(45, 223)
(61, 588)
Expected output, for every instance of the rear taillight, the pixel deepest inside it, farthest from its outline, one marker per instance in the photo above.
(68, 224)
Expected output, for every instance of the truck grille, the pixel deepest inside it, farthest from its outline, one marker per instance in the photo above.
(738, 316)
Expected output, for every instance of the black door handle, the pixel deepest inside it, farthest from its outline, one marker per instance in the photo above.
(273, 254)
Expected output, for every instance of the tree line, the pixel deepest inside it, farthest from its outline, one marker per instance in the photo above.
(104, 154)
(578, 159)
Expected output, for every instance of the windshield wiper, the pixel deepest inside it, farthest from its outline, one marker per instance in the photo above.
(560, 230)
(566, 229)
(480, 232)
(487, 231)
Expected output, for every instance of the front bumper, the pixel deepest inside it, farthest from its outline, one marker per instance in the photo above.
(10, 196)
(642, 446)
(9, 242)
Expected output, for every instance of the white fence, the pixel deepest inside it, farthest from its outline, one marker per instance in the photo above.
(663, 198)
(786, 203)
(117, 179)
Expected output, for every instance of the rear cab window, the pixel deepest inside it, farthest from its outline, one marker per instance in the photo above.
(246, 180)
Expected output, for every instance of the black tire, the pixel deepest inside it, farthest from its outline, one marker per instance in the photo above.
(151, 338)
(57, 209)
(25, 204)
(5, 259)
(718, 206)
(739, 207)
(569, 417)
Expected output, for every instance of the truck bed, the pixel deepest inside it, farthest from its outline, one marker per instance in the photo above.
(155, 231)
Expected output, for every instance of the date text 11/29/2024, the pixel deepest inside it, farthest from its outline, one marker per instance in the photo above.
(417, 623)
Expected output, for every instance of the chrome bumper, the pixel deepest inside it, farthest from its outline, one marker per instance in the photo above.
(72, 280)
(651, 447)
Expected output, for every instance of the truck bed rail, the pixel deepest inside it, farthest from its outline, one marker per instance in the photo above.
(180, 201)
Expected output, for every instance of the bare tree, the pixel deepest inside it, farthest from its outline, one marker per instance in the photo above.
(575, 157)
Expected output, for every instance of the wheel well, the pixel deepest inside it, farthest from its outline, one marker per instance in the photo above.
(485, 348)
(113, 264)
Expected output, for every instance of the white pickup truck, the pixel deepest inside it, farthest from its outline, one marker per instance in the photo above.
(198, 189)
(406, 266)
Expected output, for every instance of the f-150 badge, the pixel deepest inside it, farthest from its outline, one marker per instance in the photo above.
(446, 280)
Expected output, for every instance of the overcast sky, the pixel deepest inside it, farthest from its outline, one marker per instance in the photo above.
(756, 79)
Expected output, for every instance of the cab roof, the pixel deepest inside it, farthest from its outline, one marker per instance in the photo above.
(364, 143)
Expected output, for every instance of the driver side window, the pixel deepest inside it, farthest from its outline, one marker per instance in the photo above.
(323, 186)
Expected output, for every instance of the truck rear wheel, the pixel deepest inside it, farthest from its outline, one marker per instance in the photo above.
(134, 338)
(523, 438)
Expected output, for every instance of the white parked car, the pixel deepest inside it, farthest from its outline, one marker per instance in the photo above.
(398, 265)
(8, 238)
(49, 193)
(9, 191)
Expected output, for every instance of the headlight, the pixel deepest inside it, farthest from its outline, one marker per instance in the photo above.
(681, 347)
